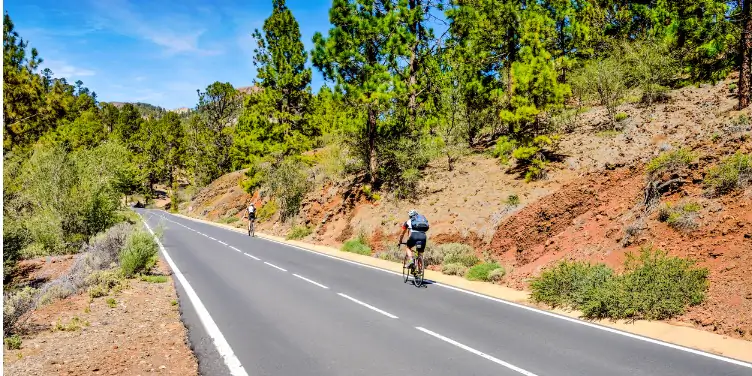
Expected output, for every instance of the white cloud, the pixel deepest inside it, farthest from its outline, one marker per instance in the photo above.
(176, 34)
(64, 70)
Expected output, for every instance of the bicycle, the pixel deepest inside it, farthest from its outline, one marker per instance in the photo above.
(418, 271)
(251, 227)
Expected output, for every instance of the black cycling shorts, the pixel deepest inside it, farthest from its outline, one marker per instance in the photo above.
(252, 216)
(418, 240)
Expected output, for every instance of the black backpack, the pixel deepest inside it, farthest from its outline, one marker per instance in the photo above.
(419, 223)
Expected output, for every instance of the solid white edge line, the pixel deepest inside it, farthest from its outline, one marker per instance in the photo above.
(476, 352)
(273, 266)
(385, 313)
(531, 309)
(256, 258)
(310, 281)
(224, 349)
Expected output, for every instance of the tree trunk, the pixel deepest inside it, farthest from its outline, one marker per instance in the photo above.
(372, 166)
(412, 80)
(745, 70)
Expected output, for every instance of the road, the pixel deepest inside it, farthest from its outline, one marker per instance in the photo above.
(281, 310)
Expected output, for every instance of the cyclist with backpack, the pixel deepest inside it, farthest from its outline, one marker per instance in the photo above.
(418, 225)
(251, 215)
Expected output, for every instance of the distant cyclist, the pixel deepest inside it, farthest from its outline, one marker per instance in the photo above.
(251, 214)
(418, 225)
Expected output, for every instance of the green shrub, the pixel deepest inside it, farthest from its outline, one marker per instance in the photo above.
(16, 306)
(654, 286)
(621, 116)
(358, 245)
(681, 217)
(394, 253)
(139, 254)
(732, 173)
(448, 253)
(454, 269)
(111, 302)
(513, 200)
(480, 272)
(671, 162)
(267, 211)
(13, 342)
(603, 80)
(288, 182)
(467, 259)
(732, 87)
(568, 283)
(497, 274)
(299, 232)
(66, 196)
(504, 148)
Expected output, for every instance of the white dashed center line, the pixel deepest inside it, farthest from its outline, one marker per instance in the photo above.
(385, 313)
(308, 280)
(272, 265)
(476, 352)
(256, 258)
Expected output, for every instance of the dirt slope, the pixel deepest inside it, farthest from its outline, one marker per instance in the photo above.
(581, 211)
(141, 333)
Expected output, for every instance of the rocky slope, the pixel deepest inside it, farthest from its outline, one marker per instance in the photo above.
(589, 208)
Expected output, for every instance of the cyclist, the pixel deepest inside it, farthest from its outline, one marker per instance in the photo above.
(251, 213)
(418, 225)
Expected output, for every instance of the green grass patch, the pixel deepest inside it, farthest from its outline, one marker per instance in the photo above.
(13, 342)
(732, 173)
(299, 232)
(653, 286)
(621, 116)
(670, 162)
(73, 325)
(481, 271)
(267, 211)
(173, 303)
(154, 278)
(111, 302)
(512, 200)
(358, 245)
(229, 220)
(680, 217)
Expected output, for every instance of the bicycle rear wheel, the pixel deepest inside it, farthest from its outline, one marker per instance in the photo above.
(419, 271)
(252, 233)
(405, 270)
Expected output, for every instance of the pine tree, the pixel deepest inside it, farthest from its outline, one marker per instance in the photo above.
(274, 122)
(355, 56)
(745, 50)
(534, 79)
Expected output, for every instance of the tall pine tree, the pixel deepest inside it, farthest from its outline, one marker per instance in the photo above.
(274, 121)
(355, 55)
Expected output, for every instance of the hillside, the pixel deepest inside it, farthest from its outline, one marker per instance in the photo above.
(589, 208)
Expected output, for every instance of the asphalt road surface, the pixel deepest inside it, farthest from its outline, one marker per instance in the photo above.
(258, 307)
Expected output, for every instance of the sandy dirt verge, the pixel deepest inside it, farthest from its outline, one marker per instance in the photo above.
(667, 332)
(139, 333)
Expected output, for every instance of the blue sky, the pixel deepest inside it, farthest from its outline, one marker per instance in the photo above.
(157, 52)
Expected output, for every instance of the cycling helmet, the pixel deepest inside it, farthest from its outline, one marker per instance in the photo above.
(412, 213)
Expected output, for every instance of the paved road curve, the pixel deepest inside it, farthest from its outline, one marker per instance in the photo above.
(287, 311)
